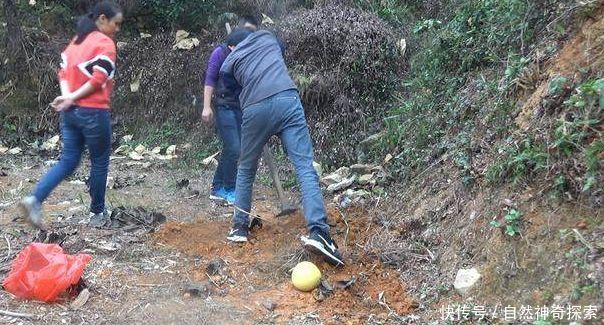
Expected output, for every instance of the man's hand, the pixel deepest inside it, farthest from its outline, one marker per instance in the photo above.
(207, 115)
(62, 103)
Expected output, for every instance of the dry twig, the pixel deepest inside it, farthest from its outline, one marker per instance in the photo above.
(13, 314)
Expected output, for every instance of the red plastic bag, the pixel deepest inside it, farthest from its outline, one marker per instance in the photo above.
(44, 271)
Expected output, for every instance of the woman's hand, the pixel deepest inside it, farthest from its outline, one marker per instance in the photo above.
(207, 115)
(62, 103)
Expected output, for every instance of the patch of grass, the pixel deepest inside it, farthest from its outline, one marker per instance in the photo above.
(583, 289)
(264, 179)
(290, 181)
(446, 96)
(577, 256)
(548, 296)
(393, 11)
(513, 218)
(593, 161)
(164, 135)
(519, 161)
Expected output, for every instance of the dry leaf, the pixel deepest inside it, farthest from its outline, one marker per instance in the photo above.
(171, 150)
(15, 151)
(135, 156)
(81, 299)
(140, 149)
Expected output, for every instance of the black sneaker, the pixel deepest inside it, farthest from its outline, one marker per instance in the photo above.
(321, 243)
(238, 234)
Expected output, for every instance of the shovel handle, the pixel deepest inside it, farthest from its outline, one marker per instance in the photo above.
(268, 158)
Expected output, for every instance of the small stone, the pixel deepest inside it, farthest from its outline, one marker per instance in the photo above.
(269, 305)
(341, 185)
(198, 289)
(365, 179)
(51, 144)
(171, 150)
(317, 168)
(135, 156)
(332, 179)
(356, 195)
(466, 279)
(361, 168)
(140, 149)
(15, 151)
(343, 171)
(215, 266)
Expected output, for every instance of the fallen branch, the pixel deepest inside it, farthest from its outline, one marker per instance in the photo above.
(582, 240)
(9, 249)
(150, 285)
(212, 280)
(13, 314)
(347, 227)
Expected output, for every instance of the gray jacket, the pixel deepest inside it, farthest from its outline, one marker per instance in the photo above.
(257, 65)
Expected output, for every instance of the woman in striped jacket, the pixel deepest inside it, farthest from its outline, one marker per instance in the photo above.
(86, 82)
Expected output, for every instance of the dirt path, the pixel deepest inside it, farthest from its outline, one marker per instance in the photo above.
(137, 277)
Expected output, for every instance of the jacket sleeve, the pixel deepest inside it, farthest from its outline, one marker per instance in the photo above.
(227, 73)
(102, 67)
(214, 64)
(282, 45)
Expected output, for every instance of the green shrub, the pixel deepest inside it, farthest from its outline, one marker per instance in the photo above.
(518, 162)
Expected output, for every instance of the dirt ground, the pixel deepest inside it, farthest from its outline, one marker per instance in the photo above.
(185, 272)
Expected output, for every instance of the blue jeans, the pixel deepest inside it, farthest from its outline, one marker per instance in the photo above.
(82, 127)
(282, 115)
(228, 126)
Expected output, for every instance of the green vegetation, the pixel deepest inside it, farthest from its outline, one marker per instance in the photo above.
(519, 161)
(513, 219)
(445, 96)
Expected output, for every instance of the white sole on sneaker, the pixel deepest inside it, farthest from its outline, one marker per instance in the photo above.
(317, 248)
(216, 198)
(237, 239)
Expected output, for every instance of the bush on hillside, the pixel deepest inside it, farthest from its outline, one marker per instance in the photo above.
(345, 62)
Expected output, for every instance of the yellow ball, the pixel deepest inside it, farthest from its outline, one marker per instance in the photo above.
(306, 276)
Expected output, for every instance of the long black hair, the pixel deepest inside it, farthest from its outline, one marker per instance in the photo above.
(87, 23)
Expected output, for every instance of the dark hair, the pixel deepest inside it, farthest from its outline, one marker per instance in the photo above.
(237, 36)
(87, 23)
(248, 19)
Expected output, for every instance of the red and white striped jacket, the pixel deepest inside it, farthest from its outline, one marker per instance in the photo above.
(92, 61)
